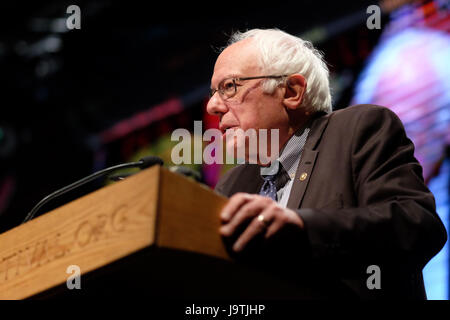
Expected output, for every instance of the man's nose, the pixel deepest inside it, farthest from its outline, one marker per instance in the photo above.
(216, 106)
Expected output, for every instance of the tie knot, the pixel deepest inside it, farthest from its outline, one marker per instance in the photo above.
(275, 174)
(270, 171)
(270, 177)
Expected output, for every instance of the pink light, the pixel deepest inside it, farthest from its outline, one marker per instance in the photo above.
(141, 120)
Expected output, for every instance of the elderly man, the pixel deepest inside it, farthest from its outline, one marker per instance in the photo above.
(348, 198)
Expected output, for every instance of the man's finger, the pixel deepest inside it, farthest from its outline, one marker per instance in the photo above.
(247, 211)
(273, 228)
(233, 205)
(257, 226)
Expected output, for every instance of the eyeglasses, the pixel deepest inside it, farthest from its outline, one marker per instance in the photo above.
(228, 87)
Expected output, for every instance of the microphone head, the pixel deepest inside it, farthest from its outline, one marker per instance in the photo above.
(188, 172)
(150, 161)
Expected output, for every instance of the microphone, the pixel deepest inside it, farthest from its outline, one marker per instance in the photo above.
(188, 172)
(143, 163)
(185, 171)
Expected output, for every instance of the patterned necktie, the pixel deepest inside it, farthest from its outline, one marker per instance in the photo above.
(269, 187)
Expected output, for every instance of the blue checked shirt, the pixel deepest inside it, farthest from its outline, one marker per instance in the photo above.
(289, 159)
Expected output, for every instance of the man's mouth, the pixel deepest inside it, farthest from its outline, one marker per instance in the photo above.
(224, 128)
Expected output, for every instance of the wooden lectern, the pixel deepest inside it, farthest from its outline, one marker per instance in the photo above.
(155, 233)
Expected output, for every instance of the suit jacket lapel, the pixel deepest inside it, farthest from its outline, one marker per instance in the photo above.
(306, 164)
(251, 175)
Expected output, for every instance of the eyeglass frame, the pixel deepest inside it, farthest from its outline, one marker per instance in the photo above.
(213, 91)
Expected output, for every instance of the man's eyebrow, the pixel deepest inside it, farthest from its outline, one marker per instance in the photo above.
(228, 76)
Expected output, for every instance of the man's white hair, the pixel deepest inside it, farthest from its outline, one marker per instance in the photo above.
(284, 54)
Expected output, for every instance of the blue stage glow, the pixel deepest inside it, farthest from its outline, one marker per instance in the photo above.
(409, 72)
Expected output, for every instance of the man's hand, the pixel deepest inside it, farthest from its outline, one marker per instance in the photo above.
(263, 216)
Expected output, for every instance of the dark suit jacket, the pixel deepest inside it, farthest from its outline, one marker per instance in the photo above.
(363, 202)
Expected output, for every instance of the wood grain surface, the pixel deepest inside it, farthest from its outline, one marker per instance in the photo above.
(155, 206)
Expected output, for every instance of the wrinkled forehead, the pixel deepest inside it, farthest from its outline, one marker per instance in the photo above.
(240, 59)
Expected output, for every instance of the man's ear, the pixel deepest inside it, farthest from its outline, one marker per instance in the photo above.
(295, 89)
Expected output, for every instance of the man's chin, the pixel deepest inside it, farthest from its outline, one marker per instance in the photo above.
(248, 148)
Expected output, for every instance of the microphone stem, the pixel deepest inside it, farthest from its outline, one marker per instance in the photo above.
(78, 183)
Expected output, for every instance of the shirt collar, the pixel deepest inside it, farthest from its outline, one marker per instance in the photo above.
(291, 153)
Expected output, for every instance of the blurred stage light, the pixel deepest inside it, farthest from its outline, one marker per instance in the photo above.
(49, 44)
(409, 72)
(49, 25)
